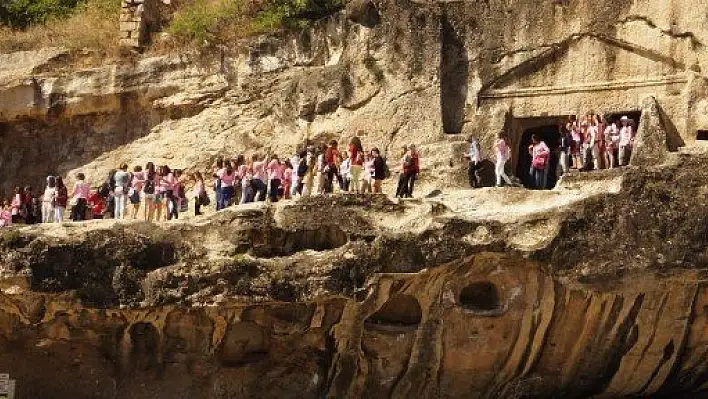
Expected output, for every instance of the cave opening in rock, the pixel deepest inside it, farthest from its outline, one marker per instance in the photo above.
(550, 134)
(454, 73)
(702, 135)
(399, 311)
(480, 297)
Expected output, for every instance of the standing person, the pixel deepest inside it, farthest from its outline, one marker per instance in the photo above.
(260, 177)
(503, 154)
(578, 138)
(227, 176)
(595, 140)
(218, 166)
(16, 205)
(311, 164)
(345, 171)
(379, 170)
(245, 172)
(414, 169)
(332, 168)
(61, 198)
(150, 192)
(474, 156)
(565, 149)
(295, 176)
(287, 179)
(136, 187)
(166, 187)
(238, 187)
(322, 171)
(122, 180)
(275, 177)
(27, 200)
(368, 174)
(79, 196)
(6, 214)
(48, 200)
(587, 150)
(402, 187)
(539, 162)
(626, 139)
(610, 133)
(356, 160)
(198, 192)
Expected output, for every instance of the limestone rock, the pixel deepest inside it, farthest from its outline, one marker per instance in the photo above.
(651, 144)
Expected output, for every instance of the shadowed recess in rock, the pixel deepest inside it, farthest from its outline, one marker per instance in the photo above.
(400, 311)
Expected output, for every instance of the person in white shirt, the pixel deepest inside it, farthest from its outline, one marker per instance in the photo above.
(626, 139)
(503, 154)
(48, 200)
(345, 171)
(474, 156)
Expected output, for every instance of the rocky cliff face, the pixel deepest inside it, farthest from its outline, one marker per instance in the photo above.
(596, 288)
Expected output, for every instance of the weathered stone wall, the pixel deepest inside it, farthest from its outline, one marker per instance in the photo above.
(139, 19)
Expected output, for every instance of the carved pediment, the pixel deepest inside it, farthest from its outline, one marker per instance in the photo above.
(586, 63)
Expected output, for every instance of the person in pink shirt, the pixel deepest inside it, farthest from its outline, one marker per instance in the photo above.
(258, 169)
(287, 178)
(16, 205)
(275, 177)
(503, 155)
(198, 193)
(136, 187)
(227, 176)
(539, 162)
(6, 214)
(79, 196)
(626, 139)
(246, 176)
(165, 188)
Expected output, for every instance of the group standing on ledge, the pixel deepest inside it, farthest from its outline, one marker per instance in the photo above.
(160, 191)
(586, 143)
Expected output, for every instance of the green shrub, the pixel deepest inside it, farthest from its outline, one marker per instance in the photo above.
(222, 21)
(22, 13)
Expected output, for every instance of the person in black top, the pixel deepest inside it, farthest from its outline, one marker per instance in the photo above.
(379, 169)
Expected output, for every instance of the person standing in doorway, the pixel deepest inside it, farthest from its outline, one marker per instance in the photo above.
(48, 200)
(474, 157)
(565, 147)
(626, 139)
(539, 162)
(609, 134)
(502, 153)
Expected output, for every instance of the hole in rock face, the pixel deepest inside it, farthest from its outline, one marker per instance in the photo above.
(702, 135)
(286, 243)
(480, 297)
(398, 311)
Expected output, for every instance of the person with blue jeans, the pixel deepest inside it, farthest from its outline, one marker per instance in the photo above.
(539, 162)
(227, 177)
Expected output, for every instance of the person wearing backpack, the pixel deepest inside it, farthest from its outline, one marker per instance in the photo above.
(502, 153)
(539, 162)
(150, 191)
(137, 182)
(402, 187)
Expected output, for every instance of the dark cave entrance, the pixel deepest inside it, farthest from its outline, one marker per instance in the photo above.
(550, 134)
(454, 72)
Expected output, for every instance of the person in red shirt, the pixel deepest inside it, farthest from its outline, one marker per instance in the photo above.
(332, 166)
(413, 169)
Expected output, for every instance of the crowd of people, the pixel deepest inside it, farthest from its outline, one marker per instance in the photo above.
(157, 193)
(586, 143)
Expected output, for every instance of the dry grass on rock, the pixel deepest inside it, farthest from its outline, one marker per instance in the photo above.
(93, 26)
